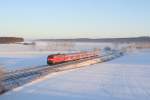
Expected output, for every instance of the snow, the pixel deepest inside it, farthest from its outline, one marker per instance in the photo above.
(139, 58)
(12, 63)
(125, 78)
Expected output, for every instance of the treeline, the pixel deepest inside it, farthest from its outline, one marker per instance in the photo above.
(114, 40)
(4, 40)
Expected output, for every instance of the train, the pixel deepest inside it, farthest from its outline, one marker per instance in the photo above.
(61, 58)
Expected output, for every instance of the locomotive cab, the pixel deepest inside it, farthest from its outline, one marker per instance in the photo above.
(54, 59)
(49, 59)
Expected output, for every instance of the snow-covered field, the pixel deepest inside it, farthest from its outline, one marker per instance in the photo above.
(125, 78)
(13, 63)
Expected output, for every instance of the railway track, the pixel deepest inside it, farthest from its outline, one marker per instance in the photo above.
(20, 77)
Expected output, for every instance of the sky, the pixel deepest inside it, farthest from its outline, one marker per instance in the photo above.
(74, 18)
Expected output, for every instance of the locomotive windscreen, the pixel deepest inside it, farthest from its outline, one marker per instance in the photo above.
(50, 56)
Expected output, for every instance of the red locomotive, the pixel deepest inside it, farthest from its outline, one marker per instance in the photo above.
(60, 58)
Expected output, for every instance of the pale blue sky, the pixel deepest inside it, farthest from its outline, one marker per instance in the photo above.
(74, 18)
